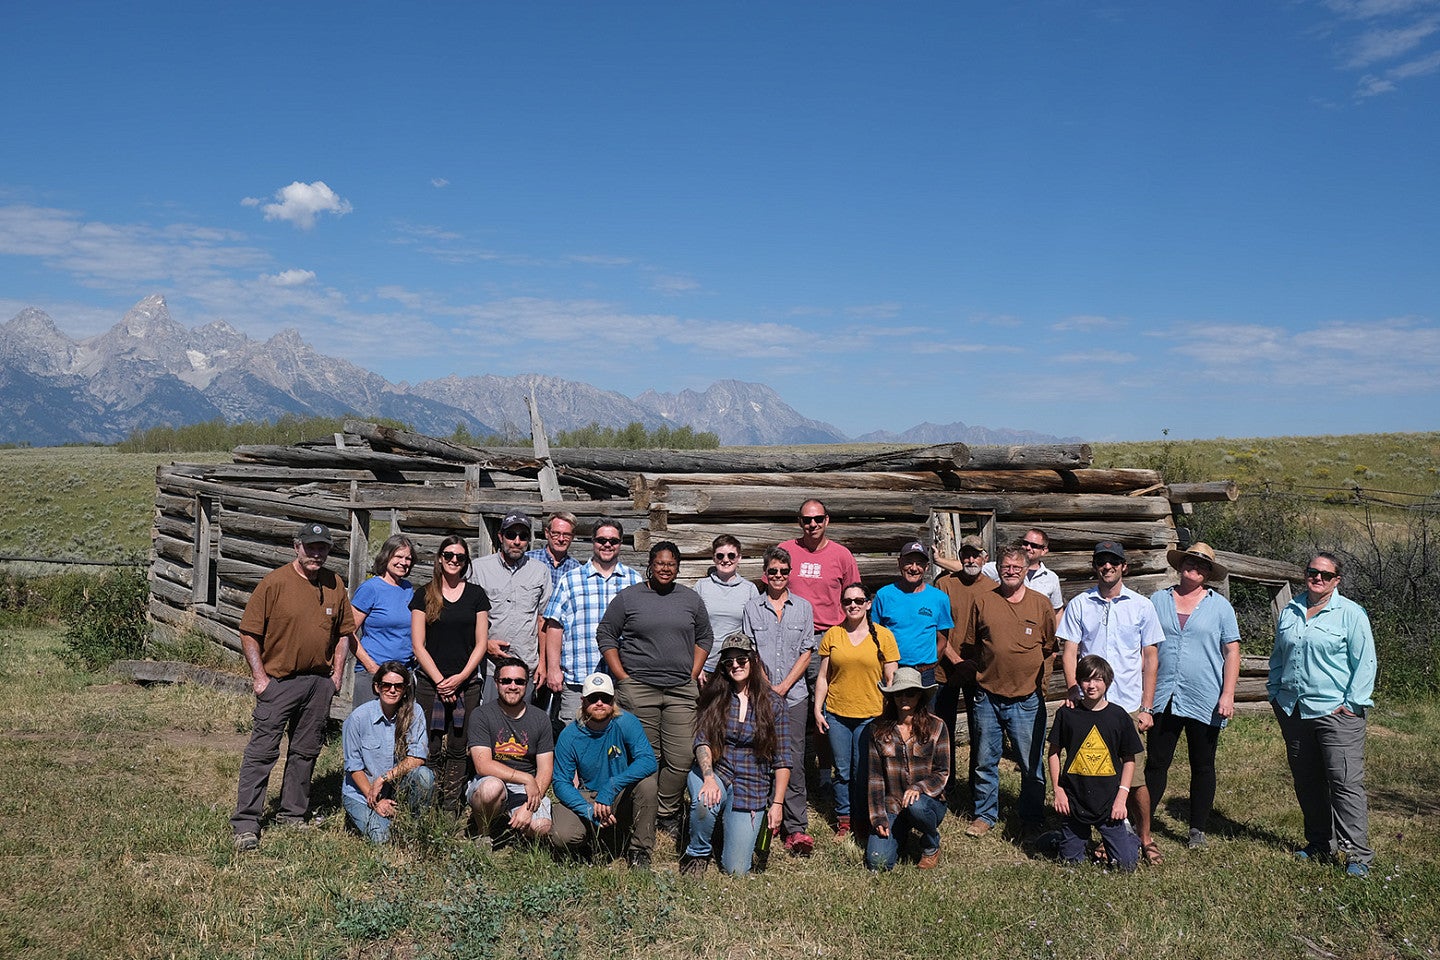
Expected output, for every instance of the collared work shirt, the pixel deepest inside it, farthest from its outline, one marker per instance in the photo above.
(897, 765)
(518, 596)
(1323, 663)
(1118, 630)
(749, 778)
(578, 604)
(1042, 579)
(1192, 658)
(368, 740)
(780, 640)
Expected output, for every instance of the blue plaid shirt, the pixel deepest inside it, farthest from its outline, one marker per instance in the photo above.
(577, 604)
(542, 555)
(750, 780)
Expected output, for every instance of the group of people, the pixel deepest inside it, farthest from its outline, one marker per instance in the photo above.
(582, 702)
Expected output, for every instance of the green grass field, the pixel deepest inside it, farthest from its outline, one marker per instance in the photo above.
(115, 842)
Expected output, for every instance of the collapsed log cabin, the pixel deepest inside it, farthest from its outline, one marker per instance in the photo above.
(219, 528)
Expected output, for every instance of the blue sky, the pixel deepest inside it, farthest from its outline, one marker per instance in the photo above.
(1104, 220)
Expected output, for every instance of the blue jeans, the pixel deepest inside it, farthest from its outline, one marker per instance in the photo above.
(416, 788)
(847, 742)
(924, 815)
(742, 827)
(1023, 718)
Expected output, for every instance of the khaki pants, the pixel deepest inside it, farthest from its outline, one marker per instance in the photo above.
(668, 716)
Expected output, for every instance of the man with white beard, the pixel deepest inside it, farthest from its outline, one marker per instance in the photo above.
(960, 586)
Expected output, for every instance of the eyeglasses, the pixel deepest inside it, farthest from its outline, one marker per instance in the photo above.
(1032, 546)
(726, 557)
(516, 534)
(1324, 576)
(454, 556)
(387, 685)
(1012, 569)
(607, 541)
(853, 602)
(814, 521)
(510, 681)
(739, 660)
(778, 572)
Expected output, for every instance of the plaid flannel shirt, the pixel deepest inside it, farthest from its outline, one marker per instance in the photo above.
(897, 765)
(577, 604)
(749, 779)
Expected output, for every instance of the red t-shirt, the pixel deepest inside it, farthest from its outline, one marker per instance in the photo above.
(820, 576)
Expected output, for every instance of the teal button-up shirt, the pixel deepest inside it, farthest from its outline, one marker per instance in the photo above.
(1323, 663)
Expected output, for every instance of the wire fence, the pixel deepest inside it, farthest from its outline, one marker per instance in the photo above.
(71, 561)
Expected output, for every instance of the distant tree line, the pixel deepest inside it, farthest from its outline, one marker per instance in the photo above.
(218, 435)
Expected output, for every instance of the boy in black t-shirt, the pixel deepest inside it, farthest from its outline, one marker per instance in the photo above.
(1099, 742)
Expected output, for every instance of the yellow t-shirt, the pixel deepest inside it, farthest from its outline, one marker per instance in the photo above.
(855, 671)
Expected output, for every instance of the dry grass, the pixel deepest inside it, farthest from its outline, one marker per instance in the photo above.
(114, 842)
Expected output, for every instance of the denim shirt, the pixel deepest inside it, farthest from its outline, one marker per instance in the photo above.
(1192, 658)
(780, 640)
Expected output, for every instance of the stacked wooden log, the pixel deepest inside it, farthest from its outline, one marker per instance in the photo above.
(220, 528)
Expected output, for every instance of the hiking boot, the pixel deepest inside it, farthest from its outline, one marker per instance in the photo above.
(694, 866)
(246, 842)
(799, 844)
(929, 861)
(979, 827)
(670, 826)
(639, 860)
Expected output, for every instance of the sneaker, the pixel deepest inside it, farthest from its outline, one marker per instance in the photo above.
(295, 823)
(1357, 869)
(1312, 853)
(245, 842)
(842, 828)
(693, 866)
(1197, 839)
(979, 827)
(639, 860)
(929, 861)
(799, 844)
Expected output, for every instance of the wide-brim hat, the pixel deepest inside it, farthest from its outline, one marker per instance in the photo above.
(1200, 551)
(907, 678)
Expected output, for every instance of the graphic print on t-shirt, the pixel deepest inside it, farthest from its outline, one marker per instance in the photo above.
(514, 747)
(1093, 757)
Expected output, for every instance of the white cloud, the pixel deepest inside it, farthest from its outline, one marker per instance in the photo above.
(301, 203)
(874, 311)
(1416, 68)
(1097, 357)
(1372, 86)
(674, 285)
(289, 278)
(1373, 46)
(1396, 355)
(439, 183)
(1086, 323)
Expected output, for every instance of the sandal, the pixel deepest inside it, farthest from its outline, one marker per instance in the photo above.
(1152, 855)
(1100, 854)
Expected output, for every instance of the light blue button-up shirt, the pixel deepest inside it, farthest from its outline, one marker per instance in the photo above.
(1323, 663)
(1192, 658)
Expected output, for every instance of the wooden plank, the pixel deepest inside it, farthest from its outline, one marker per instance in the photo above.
(1080, 564)
(356, 459)
(187, 620)
(1216, 490)
(549, 483)
(1144, 585)
(359, 547)
(752, 502)
(694, 539)
(171, 671)
(245, 524)
(296, 507)
(1259, 568)
(174, 549)
(1038, 456)
(1084, 535)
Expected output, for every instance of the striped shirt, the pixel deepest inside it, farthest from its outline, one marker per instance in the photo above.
(578, 603)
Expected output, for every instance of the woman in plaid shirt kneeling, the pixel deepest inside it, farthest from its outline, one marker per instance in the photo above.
(909, 765)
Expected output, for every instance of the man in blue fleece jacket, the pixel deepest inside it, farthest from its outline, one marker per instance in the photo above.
(602, 759)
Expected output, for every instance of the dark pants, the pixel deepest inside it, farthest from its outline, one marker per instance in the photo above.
(947, 707)
(297, 707)
(1122, 846)
(449, 749)
(572, 835)
(1201, 741)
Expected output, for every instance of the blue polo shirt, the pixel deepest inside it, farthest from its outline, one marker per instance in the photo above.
(914, 618)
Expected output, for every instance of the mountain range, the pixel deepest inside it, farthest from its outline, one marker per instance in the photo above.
(149, 370)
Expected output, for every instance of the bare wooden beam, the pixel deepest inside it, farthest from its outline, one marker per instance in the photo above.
(549, 483)
(1056, 456)
(1217, 490)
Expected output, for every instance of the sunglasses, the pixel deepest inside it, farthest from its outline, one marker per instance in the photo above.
(726, 557)
(1324, 576)
(387, 685)
(814, 521)
(1111, 562)
(599, 698)
(1032, 546)
(607, 541)
(454, 556)
(510, 681)
(778, 572)
(853, 602)
(515, 534)
(736, 661)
